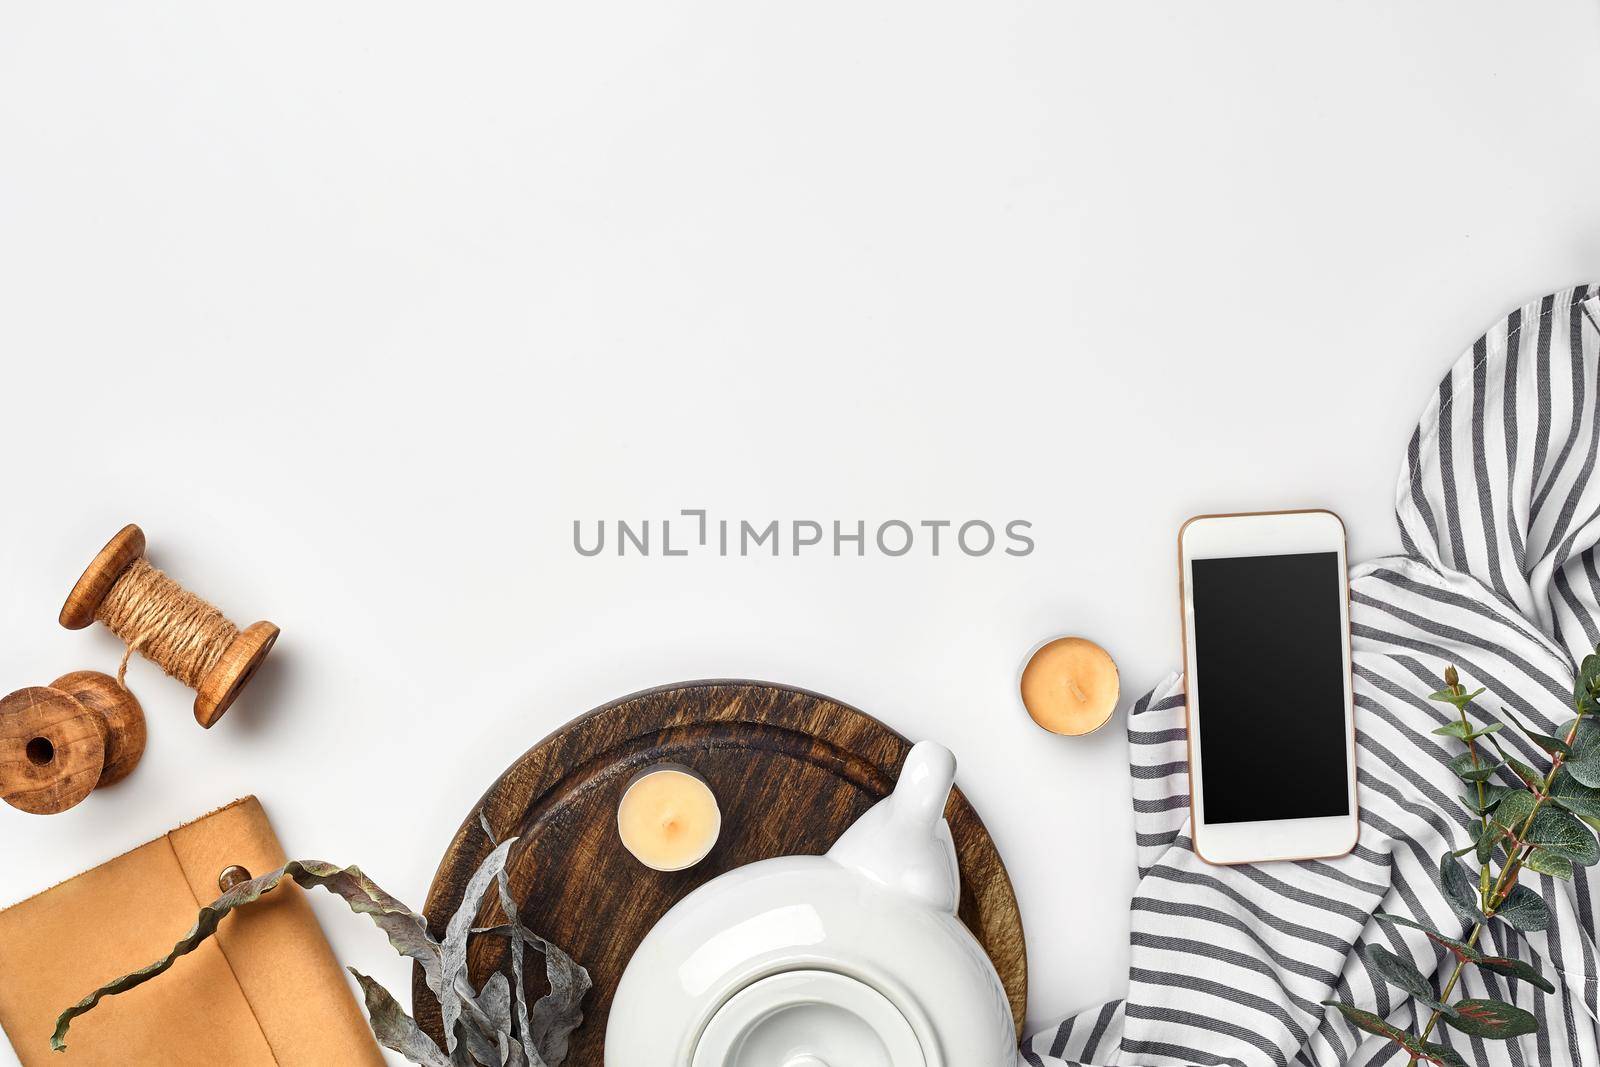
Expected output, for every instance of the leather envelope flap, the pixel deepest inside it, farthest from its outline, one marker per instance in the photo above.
(265, 990)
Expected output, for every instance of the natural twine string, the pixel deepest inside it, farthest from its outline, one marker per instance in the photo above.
(176, 630)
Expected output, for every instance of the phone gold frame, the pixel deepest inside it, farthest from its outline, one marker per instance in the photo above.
(1188, 710)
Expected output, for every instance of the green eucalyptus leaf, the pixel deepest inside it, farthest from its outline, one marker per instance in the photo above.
(1514, 809)
(1493, 793)
(1586, 687)
(1553, 745)
(1465, 732)
(1524, 909)
(1460, 948)
(1586, 809)
(1368, 1021)
(1530, 777)
(1547, 862)
(1517, 969)
(1403, 974)
(1492, 1019)
(1584, 763)
(1552, 825)
(1464, 767)
(1422, 1051)
(1459, 890)
(1450, 696)
(1518, 723)
(1574, 795)
(1462, 951)
(1487, 839)
(1560, 832)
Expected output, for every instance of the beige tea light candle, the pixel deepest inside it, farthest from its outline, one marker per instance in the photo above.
(1070, 686)
(669, 818)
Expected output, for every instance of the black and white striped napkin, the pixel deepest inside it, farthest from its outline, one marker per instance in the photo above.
(1499, 512)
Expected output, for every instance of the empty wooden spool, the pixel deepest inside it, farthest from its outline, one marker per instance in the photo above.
(58, 743)
(217, 689)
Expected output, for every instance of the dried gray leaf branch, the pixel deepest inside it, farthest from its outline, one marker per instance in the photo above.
(480, 1026)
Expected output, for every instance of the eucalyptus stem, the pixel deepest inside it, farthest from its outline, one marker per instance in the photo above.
(1455, 688)
(1508, 873)
(1493, 896)
(1458, 690)
(1536, 823)
(1449, 987)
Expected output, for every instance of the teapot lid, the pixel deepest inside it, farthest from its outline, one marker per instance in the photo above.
(808, 1018)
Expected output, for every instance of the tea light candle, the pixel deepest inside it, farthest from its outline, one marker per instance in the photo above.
(1070, 686)
(669, 818)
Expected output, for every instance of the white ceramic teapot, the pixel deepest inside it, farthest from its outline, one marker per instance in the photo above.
(853, 959)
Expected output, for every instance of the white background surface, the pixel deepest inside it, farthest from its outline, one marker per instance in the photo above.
(355, 308)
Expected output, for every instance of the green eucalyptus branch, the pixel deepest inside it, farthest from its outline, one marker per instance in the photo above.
(1457, 691)
(1543, 822)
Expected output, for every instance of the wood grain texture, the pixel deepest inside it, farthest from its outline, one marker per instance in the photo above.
(100, 575)
(126, 732)
(223, 683)
(52, 750)
(791, 770)
(58, 743)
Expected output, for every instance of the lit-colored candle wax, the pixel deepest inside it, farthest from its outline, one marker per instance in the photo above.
(1070, 686)
(669, 818)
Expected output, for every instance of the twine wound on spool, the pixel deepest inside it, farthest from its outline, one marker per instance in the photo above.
(181, 633)
(174, 629)
(85, 730)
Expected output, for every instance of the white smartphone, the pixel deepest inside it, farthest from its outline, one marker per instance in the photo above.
(1266, 658)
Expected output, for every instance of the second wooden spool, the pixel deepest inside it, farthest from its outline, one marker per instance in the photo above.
(60, 742)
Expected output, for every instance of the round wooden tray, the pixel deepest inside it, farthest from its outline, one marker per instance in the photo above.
(791, 770)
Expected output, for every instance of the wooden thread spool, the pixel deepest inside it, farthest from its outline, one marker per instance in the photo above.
(59, 743)
(190, 640)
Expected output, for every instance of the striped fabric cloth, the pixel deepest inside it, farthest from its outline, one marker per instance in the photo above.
(1499, 513)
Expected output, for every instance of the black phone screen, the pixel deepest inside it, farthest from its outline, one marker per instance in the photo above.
(1270, 673)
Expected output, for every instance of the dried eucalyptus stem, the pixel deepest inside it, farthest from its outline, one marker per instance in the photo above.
(1533, 821)
(489, 1027)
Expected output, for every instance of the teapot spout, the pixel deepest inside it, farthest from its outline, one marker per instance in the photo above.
(903, 843)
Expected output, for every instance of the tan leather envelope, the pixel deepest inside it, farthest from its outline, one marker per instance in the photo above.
(265, 990)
